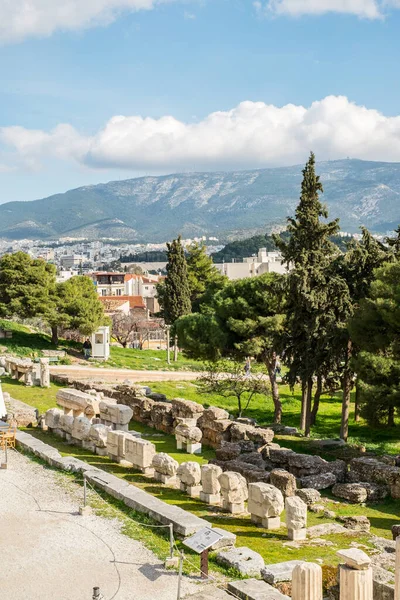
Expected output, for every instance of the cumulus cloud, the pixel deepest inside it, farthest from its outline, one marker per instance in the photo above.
(370, 9)
(35, 18)
(253, 134)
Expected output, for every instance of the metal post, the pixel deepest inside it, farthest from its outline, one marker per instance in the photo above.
(97, 595)
(4, 465)
(180, 576)
(84, 491)
(171, 540)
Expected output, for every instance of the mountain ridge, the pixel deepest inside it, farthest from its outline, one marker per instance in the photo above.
(156, 208)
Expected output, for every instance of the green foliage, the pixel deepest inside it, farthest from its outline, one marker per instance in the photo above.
(240, 249)
(202, 274)
(244, 319)
(78, 305)
(174, 294)
(27, 286)
(375, 329)
(318, 298)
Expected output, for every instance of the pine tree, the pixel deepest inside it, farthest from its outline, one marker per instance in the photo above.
(356, 267)
(375, 330)
(202, 274)
(315, 295)
(394, 243)
(176, 289)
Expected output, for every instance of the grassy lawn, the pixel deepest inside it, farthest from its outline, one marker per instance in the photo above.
(40, 398)
(382, 440)
(28, 343)
(152, 360)
(269, 544)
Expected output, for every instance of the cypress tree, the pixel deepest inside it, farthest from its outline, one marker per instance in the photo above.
(176, 292)
(315, 294)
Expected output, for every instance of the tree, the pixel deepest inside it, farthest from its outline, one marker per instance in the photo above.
(27, 286)
(228, 379)
(245, 318)
(125, 326)
(375, 329)
(202, 274)
(356, 267)
(315, 295)
(77, 306)
(394, 243)
(174, 293)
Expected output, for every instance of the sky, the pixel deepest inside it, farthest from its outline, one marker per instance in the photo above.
(104, 90)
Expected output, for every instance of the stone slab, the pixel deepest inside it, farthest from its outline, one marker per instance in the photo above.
(254, 589)
(278, 572)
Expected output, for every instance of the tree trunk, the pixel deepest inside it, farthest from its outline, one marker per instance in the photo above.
(271, 367)
(303, 405)
(176, 349)
(344, 428)
(308, 406)
(239, 406)
(317, 397)
(168, 346)
(391, 416)
(357, 407)
(54, 335)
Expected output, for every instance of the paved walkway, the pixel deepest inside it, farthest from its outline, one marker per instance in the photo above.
(119, 375)
(48, 552)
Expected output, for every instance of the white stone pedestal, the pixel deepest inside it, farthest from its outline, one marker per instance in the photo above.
(235, 509)
(166, 479)
(212, 499)
(193, 448)
(297, 534)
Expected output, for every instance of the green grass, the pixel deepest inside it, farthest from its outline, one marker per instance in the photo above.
(269, 544)
(380, 440)
(40, 398)
(28, 343)
(151, 360)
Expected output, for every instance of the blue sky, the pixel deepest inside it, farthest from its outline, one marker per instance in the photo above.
(131, 87)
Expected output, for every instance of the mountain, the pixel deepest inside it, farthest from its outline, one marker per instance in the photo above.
(158, 208)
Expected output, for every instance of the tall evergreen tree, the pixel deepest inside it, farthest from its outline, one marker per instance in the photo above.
(175, 296)
(356, 267)
(375, 330)
(394, 243)
(202, 274)
(314, 295)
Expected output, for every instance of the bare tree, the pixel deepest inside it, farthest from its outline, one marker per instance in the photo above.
(133, 326)
(229, 379)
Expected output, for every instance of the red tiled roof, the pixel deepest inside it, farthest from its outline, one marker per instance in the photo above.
(134, 301)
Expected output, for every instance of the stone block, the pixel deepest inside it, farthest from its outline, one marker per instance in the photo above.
(279, 572)
(355, 584)
(209, 479)
(247, 562)
(81, 428)
(307, 582)
(114, 413)
(355, 558)
(265, 504)
(211, 499)
(165, 465)
(227, 541)
(254, 589)
(296, 513)
(66, 423)
(78, 402)
(309, 496)
(297, 535)
(284, 481)
(52, 418)
(234, 491)
(321, 481)
(189, 474)
(140, 453)
(98, 435)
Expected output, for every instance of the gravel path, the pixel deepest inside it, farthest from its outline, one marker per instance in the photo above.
(118, 375)
(49, 552)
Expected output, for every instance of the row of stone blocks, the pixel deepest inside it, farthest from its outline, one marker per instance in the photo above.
(24, 369)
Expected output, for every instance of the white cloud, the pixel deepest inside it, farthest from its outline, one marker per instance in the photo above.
(251, 135)
(37, 18)
(370, 9)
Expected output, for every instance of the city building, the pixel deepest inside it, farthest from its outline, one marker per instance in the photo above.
(263, 262)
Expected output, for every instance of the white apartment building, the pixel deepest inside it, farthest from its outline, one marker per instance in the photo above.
(263, 262)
